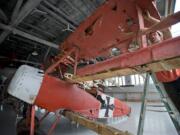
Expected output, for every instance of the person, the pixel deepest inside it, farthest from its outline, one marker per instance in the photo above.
(166, 33)
(171, 78)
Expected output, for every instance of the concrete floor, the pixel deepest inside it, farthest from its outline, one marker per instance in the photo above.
(156, 123)
(7, 121)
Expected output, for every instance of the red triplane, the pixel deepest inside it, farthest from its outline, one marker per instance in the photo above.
(111, 42)
(34, 87)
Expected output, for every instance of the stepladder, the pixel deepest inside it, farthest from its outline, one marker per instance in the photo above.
(166, 102)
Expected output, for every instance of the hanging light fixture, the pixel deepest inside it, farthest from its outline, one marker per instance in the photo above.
(35, 53)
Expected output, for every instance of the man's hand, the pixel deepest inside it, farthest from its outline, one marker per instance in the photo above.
(149, 18)
(146, 15)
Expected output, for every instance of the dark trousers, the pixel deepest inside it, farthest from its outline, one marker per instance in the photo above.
(173, 90)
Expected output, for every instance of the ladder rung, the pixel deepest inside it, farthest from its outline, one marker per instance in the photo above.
(155, 105)
(158, 111)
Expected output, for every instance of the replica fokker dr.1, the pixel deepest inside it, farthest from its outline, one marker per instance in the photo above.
(112, 41)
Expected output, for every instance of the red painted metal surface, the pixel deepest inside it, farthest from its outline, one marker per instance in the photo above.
(55, 94)
(121, 108)
(116, 24)
(141, 26)
(167, 49)
(108, 27)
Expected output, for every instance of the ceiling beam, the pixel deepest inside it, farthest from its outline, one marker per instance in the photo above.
(3, 16)
(28, 36)
(56, 16)
(19, 60)
(73, 6)
(38, 29)
(16, 10)
(59, 11)
(25, 11)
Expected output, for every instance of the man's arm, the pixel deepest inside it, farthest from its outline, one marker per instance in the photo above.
(166, 32)
(149, 18)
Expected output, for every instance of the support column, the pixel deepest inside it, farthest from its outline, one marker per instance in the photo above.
(32, 120)
(128, 80)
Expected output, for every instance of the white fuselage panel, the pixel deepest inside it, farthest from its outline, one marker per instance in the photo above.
(26, 83)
